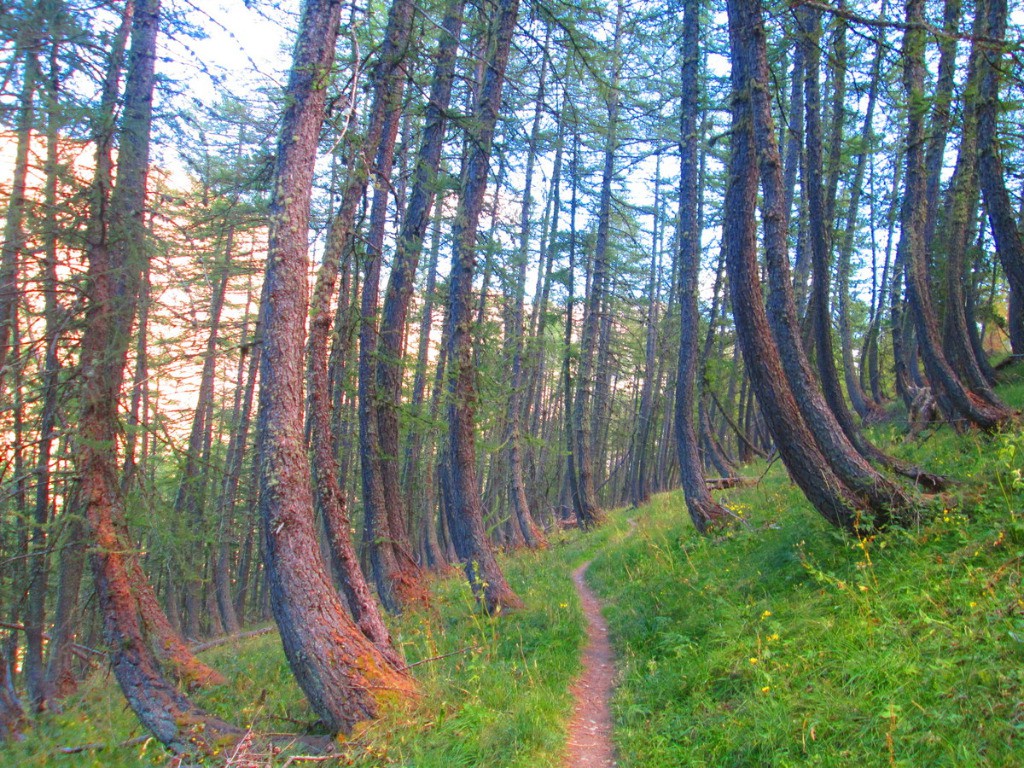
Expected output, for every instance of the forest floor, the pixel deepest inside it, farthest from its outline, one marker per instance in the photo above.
(782, 642)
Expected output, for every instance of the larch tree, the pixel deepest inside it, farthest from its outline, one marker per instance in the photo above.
(957, 403)
(336, 666)
(116, 262)
(704, 510)
(1002, 217)
(463, 505)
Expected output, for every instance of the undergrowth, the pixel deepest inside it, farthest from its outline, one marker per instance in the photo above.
(778, 643)
(786, 643)
(493, 691)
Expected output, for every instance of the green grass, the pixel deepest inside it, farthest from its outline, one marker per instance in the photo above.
(788, 644)
(494, 691)
(779, 643)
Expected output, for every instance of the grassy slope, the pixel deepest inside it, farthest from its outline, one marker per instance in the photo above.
(781, 644)
(498, 697)
(789, 645)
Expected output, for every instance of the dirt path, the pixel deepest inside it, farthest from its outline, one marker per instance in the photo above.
(590, 743)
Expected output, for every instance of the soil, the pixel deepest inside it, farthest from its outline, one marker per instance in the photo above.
(590, 744)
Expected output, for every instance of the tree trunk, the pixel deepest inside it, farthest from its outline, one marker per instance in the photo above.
(388, 384)
(190, 502)
(38, 684)
(336, 666)
(864, 408)
(465, 517)
(378, 143)
(590, 513)
(799, 448)
(514, 338)
(704, 510)
(1009, 244)
(957, 404)
(961, 211)
(938, 131)
(639, 489)
(115, 265)
(14, 225)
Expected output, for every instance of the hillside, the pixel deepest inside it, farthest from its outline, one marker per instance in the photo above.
(777, 642)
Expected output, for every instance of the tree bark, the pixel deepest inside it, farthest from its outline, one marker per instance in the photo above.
(704, 510)
(339, 670)
(115, 266)
(589, 511)
(465, 515)
(958, 405)
(799, 449)
(388, 369)
(1009, 244)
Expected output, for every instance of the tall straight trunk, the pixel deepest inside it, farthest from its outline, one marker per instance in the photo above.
(590, 513)
(638, 486)
(388, 372)
(958, 405)
(570, 306)
(858, 399)
(601, 410)
(1009, 244)
(539, 318)
(795, 131)
(66, 613)
(465, 514)
(14, 234)
(961, 212)
(971, 314)
(514, 335)
(38, 685)
(115, 266)
(704, 510)
(833, 168)
(245, 389)
(938, 130)
(190, 502)
(334, 664)
(889, 274)
(416, 498)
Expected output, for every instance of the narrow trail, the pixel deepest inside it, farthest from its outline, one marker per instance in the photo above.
(590, 743)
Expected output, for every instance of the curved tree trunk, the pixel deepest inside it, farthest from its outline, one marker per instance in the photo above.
(961, 212)
(1009, 243)
(115, 267)
(336, 666)
(388, 79)
(958, 405)
(798, 447)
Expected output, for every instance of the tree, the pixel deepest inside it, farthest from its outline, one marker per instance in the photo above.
(1002, 219)
(463, 507)
(336, 666)
(797, 444)
(115, 265)
(957, 403)
(704, 510)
